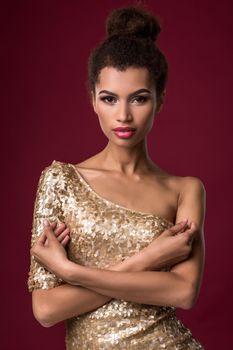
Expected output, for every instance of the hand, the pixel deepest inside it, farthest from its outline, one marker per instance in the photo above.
(170, 247)
(61, 232)
(49, 251)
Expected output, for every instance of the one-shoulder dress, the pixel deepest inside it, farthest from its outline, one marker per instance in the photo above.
(103, 233)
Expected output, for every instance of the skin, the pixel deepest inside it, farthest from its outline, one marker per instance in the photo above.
(125, 166)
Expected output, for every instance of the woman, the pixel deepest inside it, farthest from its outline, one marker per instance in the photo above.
(117, 242)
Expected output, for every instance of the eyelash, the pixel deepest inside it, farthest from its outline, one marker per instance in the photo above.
(136, 97)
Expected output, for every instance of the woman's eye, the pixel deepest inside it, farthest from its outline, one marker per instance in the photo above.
(140, 99)
(111, 99)
(108, 99)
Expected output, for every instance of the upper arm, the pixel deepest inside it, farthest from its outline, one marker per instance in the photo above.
(191, 205)
(48, 204)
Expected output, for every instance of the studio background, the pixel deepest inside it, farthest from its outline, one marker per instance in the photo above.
(46, 115)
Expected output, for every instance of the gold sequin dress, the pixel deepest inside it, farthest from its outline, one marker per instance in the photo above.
(103, 234)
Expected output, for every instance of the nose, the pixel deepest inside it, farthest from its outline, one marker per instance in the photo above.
(124, 112)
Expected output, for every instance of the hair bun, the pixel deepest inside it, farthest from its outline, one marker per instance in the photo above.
(132, 20)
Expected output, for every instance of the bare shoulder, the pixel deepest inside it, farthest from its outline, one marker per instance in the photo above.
(191, 184)
(190, 196)
(190, 188)
(182, 184)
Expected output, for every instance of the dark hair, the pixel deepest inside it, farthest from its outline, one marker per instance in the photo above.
(132, 32)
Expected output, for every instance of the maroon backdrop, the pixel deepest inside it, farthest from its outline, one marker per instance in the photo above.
(47, 116)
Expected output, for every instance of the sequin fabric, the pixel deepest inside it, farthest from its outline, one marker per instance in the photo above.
(103, 234)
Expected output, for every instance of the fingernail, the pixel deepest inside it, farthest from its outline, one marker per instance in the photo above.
(184, 220)
(46, 222)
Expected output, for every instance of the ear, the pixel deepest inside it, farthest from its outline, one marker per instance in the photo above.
(161, 101)
(93, 101)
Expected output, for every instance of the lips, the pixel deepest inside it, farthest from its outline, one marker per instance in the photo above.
(124, 132)
(124, 129)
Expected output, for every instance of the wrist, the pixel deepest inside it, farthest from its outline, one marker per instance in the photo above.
(146, 262)
(69, 272)
(141, 261)
(132, 264)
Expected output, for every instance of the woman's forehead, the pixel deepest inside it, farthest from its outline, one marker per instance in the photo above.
(111, 78)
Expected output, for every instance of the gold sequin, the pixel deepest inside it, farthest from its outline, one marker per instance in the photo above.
(103, 234)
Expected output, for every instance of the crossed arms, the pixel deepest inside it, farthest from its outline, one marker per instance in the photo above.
(136, 278)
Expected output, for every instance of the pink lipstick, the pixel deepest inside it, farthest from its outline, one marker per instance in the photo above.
(124, 132)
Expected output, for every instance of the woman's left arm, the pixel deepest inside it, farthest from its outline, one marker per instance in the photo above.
(179, 287)
(192, 204)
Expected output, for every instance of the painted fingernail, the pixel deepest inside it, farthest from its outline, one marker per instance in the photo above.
(46, 222)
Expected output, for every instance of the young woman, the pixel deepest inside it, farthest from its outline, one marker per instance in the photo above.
(117, 242)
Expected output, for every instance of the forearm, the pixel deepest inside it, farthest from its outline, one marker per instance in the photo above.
(63, 302)
(147, 287)
(66, 301)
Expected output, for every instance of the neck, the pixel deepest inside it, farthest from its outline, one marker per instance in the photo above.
(127, 160)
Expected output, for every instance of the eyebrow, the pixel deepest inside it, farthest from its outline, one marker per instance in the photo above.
(133, 93)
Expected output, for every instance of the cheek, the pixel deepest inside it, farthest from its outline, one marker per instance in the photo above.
(146, 125)
(144, 116)
(150, 124)
(144, 111)
(104, 121)
(145, 120)
(105, 113)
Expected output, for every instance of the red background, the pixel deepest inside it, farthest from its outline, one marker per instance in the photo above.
(46, 116)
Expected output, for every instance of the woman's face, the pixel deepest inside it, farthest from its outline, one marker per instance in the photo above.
(125, 99)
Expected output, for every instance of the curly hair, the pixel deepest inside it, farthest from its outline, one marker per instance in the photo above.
(131, 35)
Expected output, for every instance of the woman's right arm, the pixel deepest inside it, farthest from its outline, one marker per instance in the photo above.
(66, 301)
(57, 304)
(54, 300)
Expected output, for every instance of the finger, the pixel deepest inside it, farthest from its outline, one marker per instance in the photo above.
(177, 227)
(42, 238)
(48, 231)
(192, 229)
(59, 229)
(46, 242)
(65, 240)
(191, 232)
(63, 234)
(185, 228)
(53, 224)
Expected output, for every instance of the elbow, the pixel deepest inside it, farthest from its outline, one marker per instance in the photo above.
(45, 322)
(43, 314)
(189, 297)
